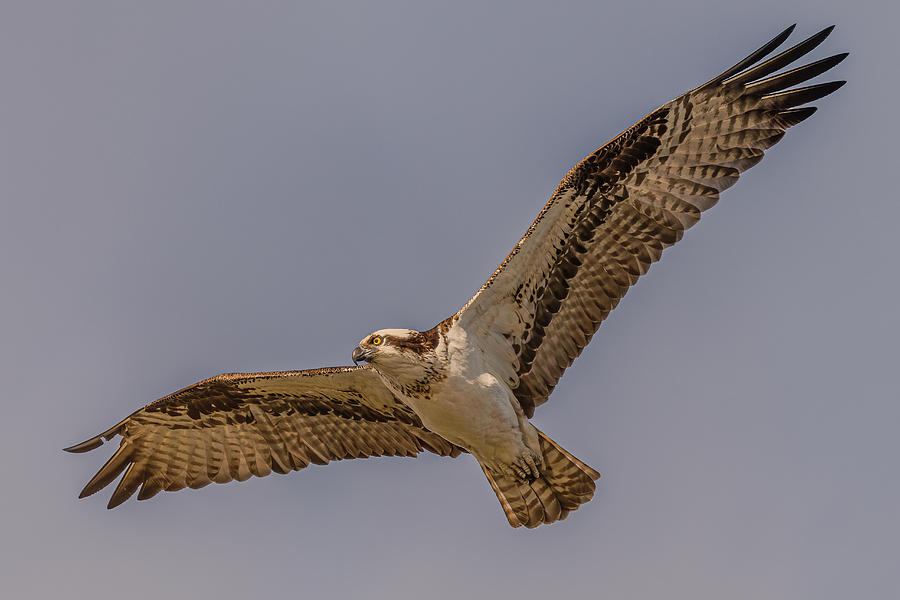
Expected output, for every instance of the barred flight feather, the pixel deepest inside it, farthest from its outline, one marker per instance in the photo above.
(236, 426)
(616, 210)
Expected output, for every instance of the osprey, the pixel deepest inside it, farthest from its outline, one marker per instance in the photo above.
(471, 383)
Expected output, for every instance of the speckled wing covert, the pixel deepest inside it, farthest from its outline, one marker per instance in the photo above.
(241, 424)
(615, 211)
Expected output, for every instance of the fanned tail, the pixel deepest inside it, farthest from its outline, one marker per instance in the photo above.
(564, 485)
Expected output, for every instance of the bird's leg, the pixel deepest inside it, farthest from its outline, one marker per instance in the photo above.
(532, 459)
(525, 467)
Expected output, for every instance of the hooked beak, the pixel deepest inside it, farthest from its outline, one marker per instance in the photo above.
(361, 354)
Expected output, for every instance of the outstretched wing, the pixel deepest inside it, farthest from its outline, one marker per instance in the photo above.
(615, 212)
(241, 424)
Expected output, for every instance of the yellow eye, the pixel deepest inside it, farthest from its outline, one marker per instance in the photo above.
(376, 341)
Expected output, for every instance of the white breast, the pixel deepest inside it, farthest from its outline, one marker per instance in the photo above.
(471, 406)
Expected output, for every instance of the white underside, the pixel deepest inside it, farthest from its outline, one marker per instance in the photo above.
(474, 409)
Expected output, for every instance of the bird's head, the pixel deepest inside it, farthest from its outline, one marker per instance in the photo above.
(394, 350)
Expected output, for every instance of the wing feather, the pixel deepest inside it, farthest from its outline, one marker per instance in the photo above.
(241, 425)
(616, 211)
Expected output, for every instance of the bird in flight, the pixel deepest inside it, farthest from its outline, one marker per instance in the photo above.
(471, 383)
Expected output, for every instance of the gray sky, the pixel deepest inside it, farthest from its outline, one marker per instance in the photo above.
(192, 188)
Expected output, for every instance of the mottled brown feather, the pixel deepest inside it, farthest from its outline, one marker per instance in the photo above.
(241, 425)
(616, 210)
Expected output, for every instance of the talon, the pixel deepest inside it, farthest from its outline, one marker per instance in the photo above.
(531, 466)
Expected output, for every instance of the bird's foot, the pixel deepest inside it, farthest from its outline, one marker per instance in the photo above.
(527, 466)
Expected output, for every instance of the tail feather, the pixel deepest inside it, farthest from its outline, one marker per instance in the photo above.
(553, 510)
(564, 485)
(571, 479)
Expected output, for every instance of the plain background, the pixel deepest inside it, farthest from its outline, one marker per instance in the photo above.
(190, 188)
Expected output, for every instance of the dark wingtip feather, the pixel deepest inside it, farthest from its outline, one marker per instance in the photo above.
(86, 446)
(97, 440)
(795, 76)
(108, 472)
(128, 485)
(825, 32)
(150, 488)
(798, 96)
(113, 502)
(796, 115)
(753, 58)
(780, 60)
